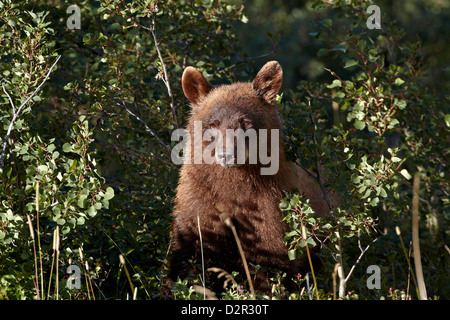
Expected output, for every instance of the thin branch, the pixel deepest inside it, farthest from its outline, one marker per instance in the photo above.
(247, 60)
(359, 259)
(147, 128)
(142, 152)
(10, 100)
(203, 260)
(319, 179)
(166, 77)
(225, 218)
(16, 114)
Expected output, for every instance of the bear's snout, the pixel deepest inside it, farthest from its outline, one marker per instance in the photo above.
(226, 158)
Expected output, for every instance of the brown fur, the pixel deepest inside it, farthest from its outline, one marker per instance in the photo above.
(249, 198)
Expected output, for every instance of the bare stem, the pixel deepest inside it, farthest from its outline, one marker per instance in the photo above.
(36, 283)
(16, 114)
(39, 240)
(203, 259)
(230, 224)
(415, 238)
(317, 160)
(310, 262)
(166, 77)
(147, 128)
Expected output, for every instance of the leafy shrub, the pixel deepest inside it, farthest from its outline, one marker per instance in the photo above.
(92, 145)
(96, 136)
(367, 127)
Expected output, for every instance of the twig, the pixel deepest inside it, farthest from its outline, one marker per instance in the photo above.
(56, 246)
(120, 144)
(318, 177)
(16, 114)
(225, 218)
(203, 260)
(310, 261)
(87, 273)
(166, 77)
(447, 248)
(125, 259)
(36, 283)
(39, 240)
(224, 273)
(10, 100)
(122, 261)
(397, 230)
(53, 262)
(359, 259)
(145, 125)
(247, 60)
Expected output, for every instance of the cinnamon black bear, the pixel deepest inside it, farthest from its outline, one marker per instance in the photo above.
(249, 191)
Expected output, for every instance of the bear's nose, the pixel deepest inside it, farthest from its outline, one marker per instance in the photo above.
(225, 158)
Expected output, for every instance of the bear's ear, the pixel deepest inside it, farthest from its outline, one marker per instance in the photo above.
(268, 81)
(195, 86)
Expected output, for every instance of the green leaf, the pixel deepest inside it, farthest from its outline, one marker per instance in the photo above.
(405, 173)
(67, 147)
(80, 221)
(399, 82)
(350, 63)
(82, 201)
(115, 26)
(368, 192)
(374, 202)
(311, 220)
(291, 234)
(342, 47)
(393, 123)
(355, 178)
(336, 83)
(285, 206)
(349, 84)
(87, 38)
(447, 120)
(302, 243)
(98, 205)
(311, 242)
(401, 104)
(92, 211)
(291, 254)
(340, 94)
(109, 193)
(360, 125)
(43, 169)
(327, 226)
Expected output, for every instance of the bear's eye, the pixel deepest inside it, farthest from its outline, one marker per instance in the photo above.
(246, 124)
(214, 124)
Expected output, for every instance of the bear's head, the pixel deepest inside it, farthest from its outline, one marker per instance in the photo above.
(238, 123)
